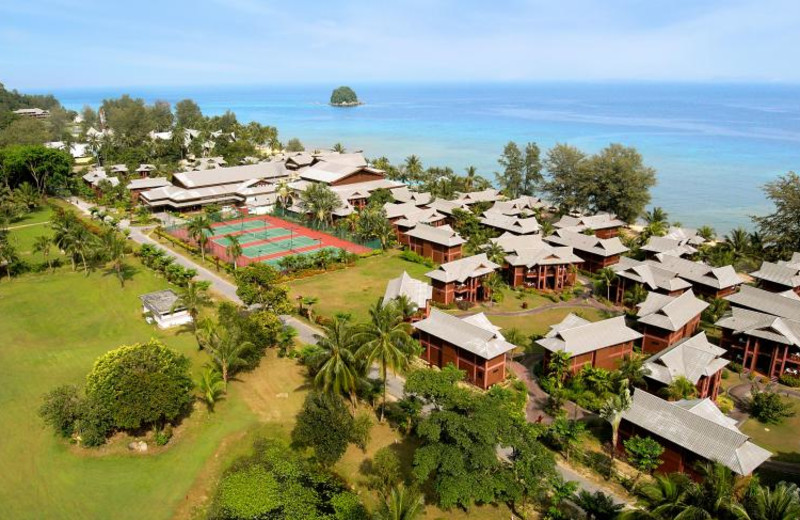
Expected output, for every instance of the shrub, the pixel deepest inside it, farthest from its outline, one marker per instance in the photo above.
(385, 470)
(735, 367)
(94, 423)
(411, 256)
(789, 380)
(163, 436)
(361, 432)
(141, 385)
(768, 408)
(644, 453)
(725, 374)
(61, 409)
(324, 424)
(725, 404)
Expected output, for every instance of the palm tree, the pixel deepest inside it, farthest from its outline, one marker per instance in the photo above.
(738, 241)
(404, 306)
(306, 306)
(632, 368)
(716, 496)
(42, 245)
(286, 339)
(28, 196)
(81, 242)
(613, 409)
(558, 366)
(493, 285)
(210, 387)
(197, 227)
(227, 350)
(401, 503)
(663, 498)
(680, 388)
(495, 252)
(114, 248)
(193, 298)
(706, 232)
(385, 340)
(411, 169)
(320, 202)
(338, 369)
(469, 178)
(283, 192)
(606, 277)
(8, 253)
(781, 503)
(234, 249)
(657, 214)
(634, 296)
(598, 505)
(338, 147)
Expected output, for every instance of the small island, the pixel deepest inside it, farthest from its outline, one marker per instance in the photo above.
(344, 97)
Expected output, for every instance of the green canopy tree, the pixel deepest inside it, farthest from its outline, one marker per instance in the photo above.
(512, 179)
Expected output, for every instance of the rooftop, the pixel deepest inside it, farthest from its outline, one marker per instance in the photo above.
(604, 247)
(419, 293)
(577, 336)
(670, 312)
(461, 270)
(443, 235)
(161, 302)
(474, 333)
(691, 358)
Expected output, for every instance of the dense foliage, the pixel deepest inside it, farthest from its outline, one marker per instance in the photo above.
(768, 407)
(275, 483)
(50, 171)
(781, 229)
(324, 424)
(343, 96)
(262, 285)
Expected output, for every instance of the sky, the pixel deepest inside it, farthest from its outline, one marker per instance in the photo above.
(98, 43)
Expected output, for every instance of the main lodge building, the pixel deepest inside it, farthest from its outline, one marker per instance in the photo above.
(462, 280)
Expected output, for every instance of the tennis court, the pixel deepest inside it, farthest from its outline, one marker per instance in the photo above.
(267, 239)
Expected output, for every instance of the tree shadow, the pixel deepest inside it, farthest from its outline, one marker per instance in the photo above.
(127, 272)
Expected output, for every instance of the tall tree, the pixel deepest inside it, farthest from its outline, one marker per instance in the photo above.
(401, 503)
(385, 340)
(533, 169)
(320, 201)
(338, 370)
(781, 228)
(194, 297)
(199, 227)
(621, 181)
(42, 244)
(261, 284)
(612, 411)
(234, 250)
(567, 169)
(227, 349)
(188, 114)
(512, 179)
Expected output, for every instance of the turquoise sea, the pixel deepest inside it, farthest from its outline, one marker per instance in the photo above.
(712, 145)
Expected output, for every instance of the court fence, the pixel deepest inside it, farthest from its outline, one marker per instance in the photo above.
(336, 231)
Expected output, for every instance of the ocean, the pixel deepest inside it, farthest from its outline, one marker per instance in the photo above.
(713, 145)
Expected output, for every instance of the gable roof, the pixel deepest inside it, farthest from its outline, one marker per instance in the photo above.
(474, 334)
(670, 312)
(520, 226)
(698, 272)
(765, 301)
(443, 235)
(695, 430)
(594, 222)
(761, 325)
(331, 172)
(230, 175)
(148, 183)
(650, 276)
(461, 270)
(419, 293)
(447, 206)
(162, 302)
(473, 197)
(405, 194)
(538, 252)
(668, 246)
(604, 247)
(781, 274)
(691, 358)
(518, 205)
(577, 336)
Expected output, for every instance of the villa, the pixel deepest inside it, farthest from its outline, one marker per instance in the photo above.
(632, 273)
(711, 282)
(137, 186)
(665, 320)
(690, 431)
(510, 224)
(418, 293)
(462, 280)
(604, 225)
(601, 344)
(677, 241)
(695, 359)
(472, 344)
(533, 263)
(519, 206)
(474, 197)
(762, 331)
(441, 244)
(144, 170)
(36, 113)
(404, 194)
(164, 309)
(781, 276)
(407, 215)
(597, 253)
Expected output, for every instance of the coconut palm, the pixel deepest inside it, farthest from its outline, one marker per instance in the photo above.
(114, 248)
(401, 503)
(679, 388)
(385, 340)
(706, 232)
(657, 214)
(210, 387)
(283, 192)
(234, 249)
(227, 350)
(198, 227)
(338, 369)
(558, 366)
(42, 244)
(495, 252)
(193, 298)
(606, 277)
(404, 306)
(469, 179)
(338, 147)
(632, 369)
(663, 498)
(411, 169)
(613, 409)
(634, 296)
(28, 196)
(319, 201)
(738, 241)
(598, 505)
(8, 253)
(716, 496)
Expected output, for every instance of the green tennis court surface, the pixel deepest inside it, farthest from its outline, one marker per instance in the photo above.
(254, 236)
(278, 246)
(233, 227)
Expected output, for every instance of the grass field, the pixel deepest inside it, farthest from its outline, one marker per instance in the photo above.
(54, 326)
(781, 439)
(540, 322)
(24, 232)
(354, 289)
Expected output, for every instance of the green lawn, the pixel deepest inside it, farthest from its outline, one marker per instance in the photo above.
(781, 439)
(356, 288)
(24, 232)
(54, 326)
(539, 323)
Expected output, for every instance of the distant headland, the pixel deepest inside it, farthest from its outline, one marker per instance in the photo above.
(344, 97)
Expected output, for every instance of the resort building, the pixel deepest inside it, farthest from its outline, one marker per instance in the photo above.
(690, 431)
(164, 309)
(511, 224)
(144, 170)
(474, 197)
(707, 281)
(471, 344)
(441, 244)
(604, 225)
(462, 280)
(600, 344)
(137, 186)
(447, 207)
(781, 276)
(340, 174)
(418, 293)
(407, 215)
(404, 194)
(520, 206)
(631, 273)
(596, 252)
(536, 264)
(762, 332)
(665, 320)
(36, 113)
(677, 241)
(695, 359)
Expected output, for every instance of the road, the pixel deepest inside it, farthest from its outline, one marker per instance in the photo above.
(307, 334)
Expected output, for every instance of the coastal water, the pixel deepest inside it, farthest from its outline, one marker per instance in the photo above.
(713, 146)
